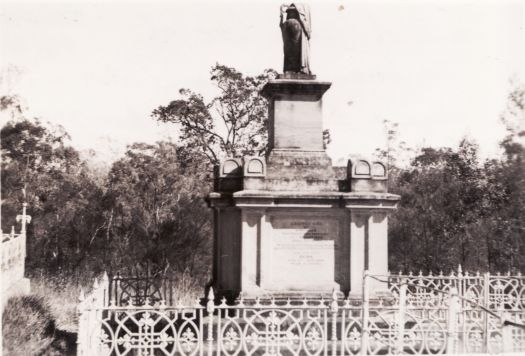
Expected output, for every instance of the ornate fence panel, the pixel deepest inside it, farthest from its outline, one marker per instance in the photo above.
(141, 287)
(485, 301)
(490, 291)
(438, 320)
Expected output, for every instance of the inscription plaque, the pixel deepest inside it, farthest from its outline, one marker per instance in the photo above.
(303, 252)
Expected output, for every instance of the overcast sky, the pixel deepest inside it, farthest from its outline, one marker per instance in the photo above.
(440, 69)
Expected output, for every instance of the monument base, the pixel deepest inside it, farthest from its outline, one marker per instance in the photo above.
(290, 224)
(281, 242)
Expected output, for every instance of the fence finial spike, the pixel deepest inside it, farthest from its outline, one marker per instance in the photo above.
(334, 306)
(12, 231)
(105, 277)
(210, 305)
(460, 270)
(223, 302)
(241, 299)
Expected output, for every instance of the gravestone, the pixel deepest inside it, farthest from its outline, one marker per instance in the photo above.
(290, 223)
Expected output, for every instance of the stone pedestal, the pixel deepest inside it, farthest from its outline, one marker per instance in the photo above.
(291, 224)
(295, 114)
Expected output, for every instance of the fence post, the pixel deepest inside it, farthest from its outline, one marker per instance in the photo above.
(81, 337)
(400, 318)
(334, 308)
(486, 302)
(452, 321)
(364, 319)
(506, 335)
(105, 289)
(210, 308)
(95, 311)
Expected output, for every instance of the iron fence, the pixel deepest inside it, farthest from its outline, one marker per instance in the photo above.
(411, 319)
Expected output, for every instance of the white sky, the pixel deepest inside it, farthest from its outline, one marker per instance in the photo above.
(441, 69)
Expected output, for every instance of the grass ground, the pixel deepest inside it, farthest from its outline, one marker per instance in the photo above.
(61, 295)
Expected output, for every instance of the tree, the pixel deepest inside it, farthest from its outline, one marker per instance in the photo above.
(155, 210)
(440, 217)
(40, 168)
(505, 227)
(234, 123)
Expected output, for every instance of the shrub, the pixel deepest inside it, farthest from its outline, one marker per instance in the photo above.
(27, 326)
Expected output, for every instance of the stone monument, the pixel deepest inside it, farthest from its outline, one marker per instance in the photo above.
(290, 224)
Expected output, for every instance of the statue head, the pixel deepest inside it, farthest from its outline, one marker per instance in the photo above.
(291, 12)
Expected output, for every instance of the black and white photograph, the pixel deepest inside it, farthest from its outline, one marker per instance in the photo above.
(262, 178)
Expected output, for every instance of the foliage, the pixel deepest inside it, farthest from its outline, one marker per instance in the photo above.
(28, 328)
(507, 198)
(39, 167)
(17, 337)
(155, 211)
(149, 207)
(234, 123)
(455, 209)
(442, 196)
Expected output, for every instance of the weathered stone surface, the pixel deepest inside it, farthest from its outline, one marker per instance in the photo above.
(300, 234)
(300, 170)
(295, 114)
(290, 223)
(305, 243)
(291, 75)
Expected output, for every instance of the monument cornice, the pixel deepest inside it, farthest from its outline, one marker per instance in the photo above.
(314, 200)
(294, 86)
